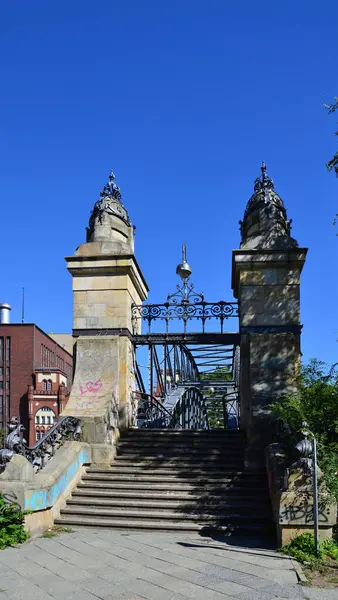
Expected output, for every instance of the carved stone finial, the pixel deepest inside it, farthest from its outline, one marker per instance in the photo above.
(263, 182)
(109, 205)
(265, 223)
(111, 190)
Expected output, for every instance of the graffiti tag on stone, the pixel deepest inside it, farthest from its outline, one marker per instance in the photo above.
(10, 499)
(91, 387)
(295, 513)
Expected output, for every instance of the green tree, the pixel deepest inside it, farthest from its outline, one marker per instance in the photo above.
(333, 163)
(219, 374)
(317, 404)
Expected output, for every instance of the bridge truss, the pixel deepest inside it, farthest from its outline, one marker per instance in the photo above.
(192, 376)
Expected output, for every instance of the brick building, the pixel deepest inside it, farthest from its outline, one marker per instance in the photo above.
(35, 376)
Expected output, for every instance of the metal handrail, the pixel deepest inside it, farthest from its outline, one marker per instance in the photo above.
(230, 399)
(191, 410)
(43, 449)
(155, 413)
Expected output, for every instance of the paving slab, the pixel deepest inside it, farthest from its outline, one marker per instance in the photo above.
(98, 564)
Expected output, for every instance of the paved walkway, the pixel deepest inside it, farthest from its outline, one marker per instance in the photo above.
(87, 565)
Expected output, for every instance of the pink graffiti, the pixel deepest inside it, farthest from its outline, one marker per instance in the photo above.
(91, 386)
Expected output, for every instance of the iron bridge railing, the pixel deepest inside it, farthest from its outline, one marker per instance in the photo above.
(152, 414)
(44, 449)
(189, 412)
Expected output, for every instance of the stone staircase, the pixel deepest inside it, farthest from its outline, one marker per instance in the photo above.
(173, 480)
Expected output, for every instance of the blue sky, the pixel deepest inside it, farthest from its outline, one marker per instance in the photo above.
(183, 99)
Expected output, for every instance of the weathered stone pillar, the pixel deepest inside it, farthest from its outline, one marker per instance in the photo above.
(266, 280)
(106, 282)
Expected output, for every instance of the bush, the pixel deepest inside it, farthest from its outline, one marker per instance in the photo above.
(303, 549)
(12, 529)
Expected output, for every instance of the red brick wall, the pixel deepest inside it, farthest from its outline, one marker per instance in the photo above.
(26, 341)
(21, 367)
(52, 353)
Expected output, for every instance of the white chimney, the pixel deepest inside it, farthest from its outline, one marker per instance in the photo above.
(4, 313)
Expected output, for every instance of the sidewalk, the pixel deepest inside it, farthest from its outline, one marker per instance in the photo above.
(102, 564)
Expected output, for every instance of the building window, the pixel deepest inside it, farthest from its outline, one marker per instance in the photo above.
(1, 348)
(8, 348)
(44, 384)
(38, 435)
(45, 416)
(49, 384)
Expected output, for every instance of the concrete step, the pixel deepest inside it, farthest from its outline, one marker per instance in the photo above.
(175, 461)
(230, 496)
(182, 515)
(215, 505)
(175, 451)
(171, 471)
(216, 487)
(208, 434)
(161, 525)
(215, 437)
(191, 478)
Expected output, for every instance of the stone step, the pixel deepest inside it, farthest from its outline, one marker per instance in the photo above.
(175, 461)
(216, 487)
(174, 446)
(215, 505)
(177, 451)
(160, 525)
(152, 477)
(218, 436)
(209, 435)
(169, 495)
(171, 471)
(139, 513)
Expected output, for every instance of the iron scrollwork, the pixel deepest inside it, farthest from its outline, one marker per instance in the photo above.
(185, 311)
(44, 449)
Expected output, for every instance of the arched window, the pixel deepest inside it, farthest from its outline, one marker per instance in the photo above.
(49, 384)
(44, 384)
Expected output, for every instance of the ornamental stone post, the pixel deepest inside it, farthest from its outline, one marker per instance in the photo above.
(107, 280)
(266, 280)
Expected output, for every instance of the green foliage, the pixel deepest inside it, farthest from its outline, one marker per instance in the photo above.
(333, 163)
(2, 437)
(55, 531)
(12, 529)
(317, 404)
(303, 549)
(219, 374)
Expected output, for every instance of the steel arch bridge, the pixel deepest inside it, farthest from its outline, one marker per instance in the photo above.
(192, 378)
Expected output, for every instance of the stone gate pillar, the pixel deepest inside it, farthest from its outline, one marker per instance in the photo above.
(106, 282)
(266, 280)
